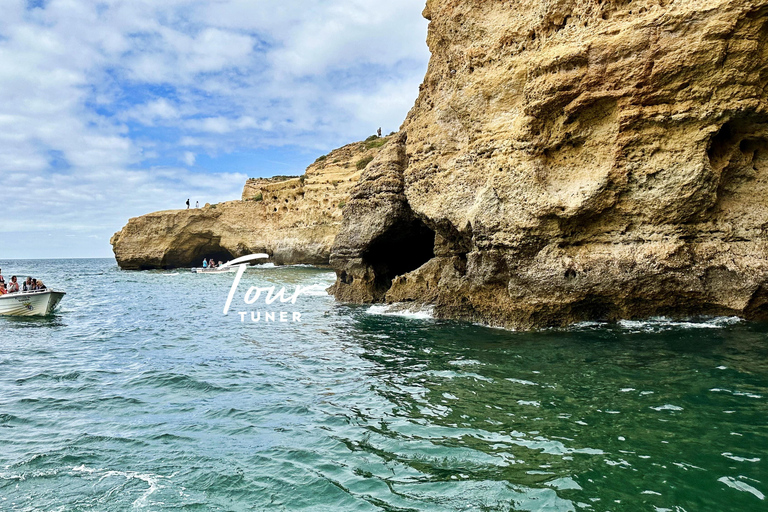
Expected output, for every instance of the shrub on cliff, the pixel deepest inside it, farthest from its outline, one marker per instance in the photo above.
(362, 164)
(377, 143)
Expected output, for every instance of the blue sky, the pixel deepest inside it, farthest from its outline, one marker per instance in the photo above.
(112, 109)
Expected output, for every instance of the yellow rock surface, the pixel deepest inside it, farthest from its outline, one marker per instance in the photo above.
(578, 160)
(294, 219)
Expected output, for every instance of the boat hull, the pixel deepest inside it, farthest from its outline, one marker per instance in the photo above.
(214, 270)
(30, 303)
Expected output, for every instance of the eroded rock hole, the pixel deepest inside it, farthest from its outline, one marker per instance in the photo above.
(190, 253)
(401, 249)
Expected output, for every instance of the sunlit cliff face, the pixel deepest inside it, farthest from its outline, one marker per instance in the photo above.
(581, 160)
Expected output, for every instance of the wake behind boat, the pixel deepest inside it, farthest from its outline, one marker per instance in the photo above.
(31, 303)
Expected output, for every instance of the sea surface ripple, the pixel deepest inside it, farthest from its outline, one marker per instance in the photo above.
(140, 395)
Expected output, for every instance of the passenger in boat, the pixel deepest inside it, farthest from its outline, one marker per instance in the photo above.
(40, 285)
(2, 279)
(3, 291)
(211, 263)
(13, 287)
(27, 285)
(221, 263)
(205, 263)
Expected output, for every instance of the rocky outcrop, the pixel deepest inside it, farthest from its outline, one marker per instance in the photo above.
(293, 219)
(574, 160)
(380, 237)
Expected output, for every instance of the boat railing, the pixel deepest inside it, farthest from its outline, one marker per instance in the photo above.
(28, 292)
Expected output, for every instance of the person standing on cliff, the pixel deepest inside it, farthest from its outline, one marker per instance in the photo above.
(187, 204)
(197, 204)
(378, 132)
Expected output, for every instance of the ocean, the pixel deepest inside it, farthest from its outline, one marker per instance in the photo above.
(139, 394)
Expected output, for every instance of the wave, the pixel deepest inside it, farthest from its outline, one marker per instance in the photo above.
(153, 481)
(741, 486)
(180, 381)
(660, 324)
(403, 310)
(315, 290)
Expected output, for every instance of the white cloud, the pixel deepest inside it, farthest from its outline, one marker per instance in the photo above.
(151, 112)
(95, 95)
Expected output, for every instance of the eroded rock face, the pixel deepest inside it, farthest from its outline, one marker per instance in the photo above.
(293, 219)
(380, 237)
(582, 160)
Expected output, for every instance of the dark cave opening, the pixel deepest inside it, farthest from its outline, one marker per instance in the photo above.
(722, 144)
(190, 253)
(402, 248)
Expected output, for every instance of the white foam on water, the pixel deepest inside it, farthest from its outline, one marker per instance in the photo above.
(741, 486)
(151, 480)
(736, 393)
(667, 407)
(663, 323)
(402, 310)
(315, 290)
(466, 362)
(589, 324)
(660, 324)
(523, 382)
(729, 455)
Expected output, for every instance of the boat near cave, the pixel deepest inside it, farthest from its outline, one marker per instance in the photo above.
(231, 266)
(31, 303)
(215, 270)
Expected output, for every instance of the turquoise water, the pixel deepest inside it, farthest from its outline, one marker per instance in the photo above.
(140, 395)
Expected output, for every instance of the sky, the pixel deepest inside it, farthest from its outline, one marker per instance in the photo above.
(112, 109)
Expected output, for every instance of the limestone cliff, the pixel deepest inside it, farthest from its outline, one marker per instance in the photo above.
(294, 219)
(573, 160)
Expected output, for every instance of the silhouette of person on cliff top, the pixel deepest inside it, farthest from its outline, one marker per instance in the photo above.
(187, 204)
(378, 132)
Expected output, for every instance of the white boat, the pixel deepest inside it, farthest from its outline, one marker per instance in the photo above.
(35, 303)
(217, 270)
(231, 266)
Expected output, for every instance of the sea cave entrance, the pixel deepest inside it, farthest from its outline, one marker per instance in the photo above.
(400, 249)
(191, 252)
